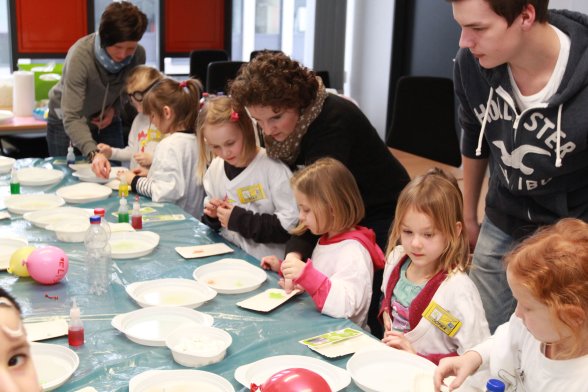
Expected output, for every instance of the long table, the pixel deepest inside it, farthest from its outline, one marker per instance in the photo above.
(108, 360)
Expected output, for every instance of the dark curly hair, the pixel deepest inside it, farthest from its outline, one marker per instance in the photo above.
(274, 80)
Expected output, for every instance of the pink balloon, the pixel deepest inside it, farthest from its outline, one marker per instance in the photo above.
(293, 380)
(47, 264)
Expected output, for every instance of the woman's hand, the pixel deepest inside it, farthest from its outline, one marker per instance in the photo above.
(397, 340)
(105, 149)
(461, 367)
(101, 166)
(223, 213)
(143, 158)
(107, 117)
(271, 263)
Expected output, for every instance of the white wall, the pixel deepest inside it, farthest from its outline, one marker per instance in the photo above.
(575, 5)
(367, 57)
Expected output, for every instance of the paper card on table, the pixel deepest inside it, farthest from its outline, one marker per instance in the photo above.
(268, 300)
(333, 347)
(120, 226)
(46, 329)
(192, 252)
(162, 218)
(331, 337)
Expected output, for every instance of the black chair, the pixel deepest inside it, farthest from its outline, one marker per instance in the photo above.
(325, 77)
(423, 119)
(255, 53)
(219, 74)
(199, 60)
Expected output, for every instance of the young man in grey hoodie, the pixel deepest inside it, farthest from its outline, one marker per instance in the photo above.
(84, 105)
(521, 77)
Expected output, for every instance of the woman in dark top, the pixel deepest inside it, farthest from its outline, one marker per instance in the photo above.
(301, 123)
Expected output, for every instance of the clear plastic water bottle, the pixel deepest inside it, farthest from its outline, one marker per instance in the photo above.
(98, 258)
(494, 385)
(101, 212)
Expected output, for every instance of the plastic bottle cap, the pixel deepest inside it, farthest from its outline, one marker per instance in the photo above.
(95, 219)
(494, 385)
(99, 211)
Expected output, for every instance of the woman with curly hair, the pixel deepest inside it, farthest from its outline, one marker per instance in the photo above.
(302, 123)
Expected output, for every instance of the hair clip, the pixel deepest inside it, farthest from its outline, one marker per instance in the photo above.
(183, 83)
(234, 116)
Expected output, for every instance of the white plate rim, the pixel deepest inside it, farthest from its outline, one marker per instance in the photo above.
(226, 263)
(148, 236)
(165, 375)
(102, 192)
(18, 241)
(153, 312)
(382, 355)
(66, 353)
(57, 199)
(53, 176)
(342, 377)
(133, 288)
(33, 216)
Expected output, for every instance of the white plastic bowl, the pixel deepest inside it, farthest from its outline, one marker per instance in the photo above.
(72, 231)
(195, 345)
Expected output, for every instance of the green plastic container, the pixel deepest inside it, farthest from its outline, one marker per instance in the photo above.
(45, 77)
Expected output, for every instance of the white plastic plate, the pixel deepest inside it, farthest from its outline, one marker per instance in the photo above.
(20, 204)
(87, 175)
(151, 326)
(258, 372)
(7, 247)
(79, 166)
(84, 192)
(378, 370)
(230, 276)
(38, 176)
(179, 381)
(129, 245)
(6, 164)
(170, 292)
(6, 116)
(53, 216)
(55, 364)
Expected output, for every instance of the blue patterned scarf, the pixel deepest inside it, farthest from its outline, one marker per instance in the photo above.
(104, 59)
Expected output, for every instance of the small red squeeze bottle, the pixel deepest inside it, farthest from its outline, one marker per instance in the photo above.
(75, 330)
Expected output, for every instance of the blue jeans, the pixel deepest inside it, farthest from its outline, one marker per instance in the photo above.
(58, 141)
(489, 274)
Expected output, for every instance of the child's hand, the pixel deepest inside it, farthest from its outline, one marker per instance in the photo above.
(288, 288)
(140, 171)
(292, 267)
(223, 212)
(210, 210)
(397, 340)
(143, 158)
(461, 367)
(387, 320)
(105, 149)
(271, 263)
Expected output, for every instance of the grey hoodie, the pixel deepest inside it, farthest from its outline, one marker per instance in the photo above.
(532, 181)
(78, 97)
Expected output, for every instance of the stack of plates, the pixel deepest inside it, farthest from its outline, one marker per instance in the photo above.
(6, 164)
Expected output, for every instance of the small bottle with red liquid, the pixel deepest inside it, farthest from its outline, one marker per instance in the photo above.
(136, 217)
(75, 330)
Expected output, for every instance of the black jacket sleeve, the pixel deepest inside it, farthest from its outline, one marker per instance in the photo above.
(262, 228)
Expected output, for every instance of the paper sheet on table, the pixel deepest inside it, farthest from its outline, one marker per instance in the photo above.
(192, 252)
(339, 343)
(45, 329)
(268, 300)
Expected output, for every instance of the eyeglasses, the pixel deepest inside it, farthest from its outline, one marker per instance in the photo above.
(140, 95)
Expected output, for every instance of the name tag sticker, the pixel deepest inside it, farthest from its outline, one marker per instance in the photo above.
(249, 194)
(442, 319)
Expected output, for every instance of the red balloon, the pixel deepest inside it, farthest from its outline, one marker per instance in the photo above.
(293, 380)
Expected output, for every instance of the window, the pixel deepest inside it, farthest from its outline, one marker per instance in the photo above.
(4, 40)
